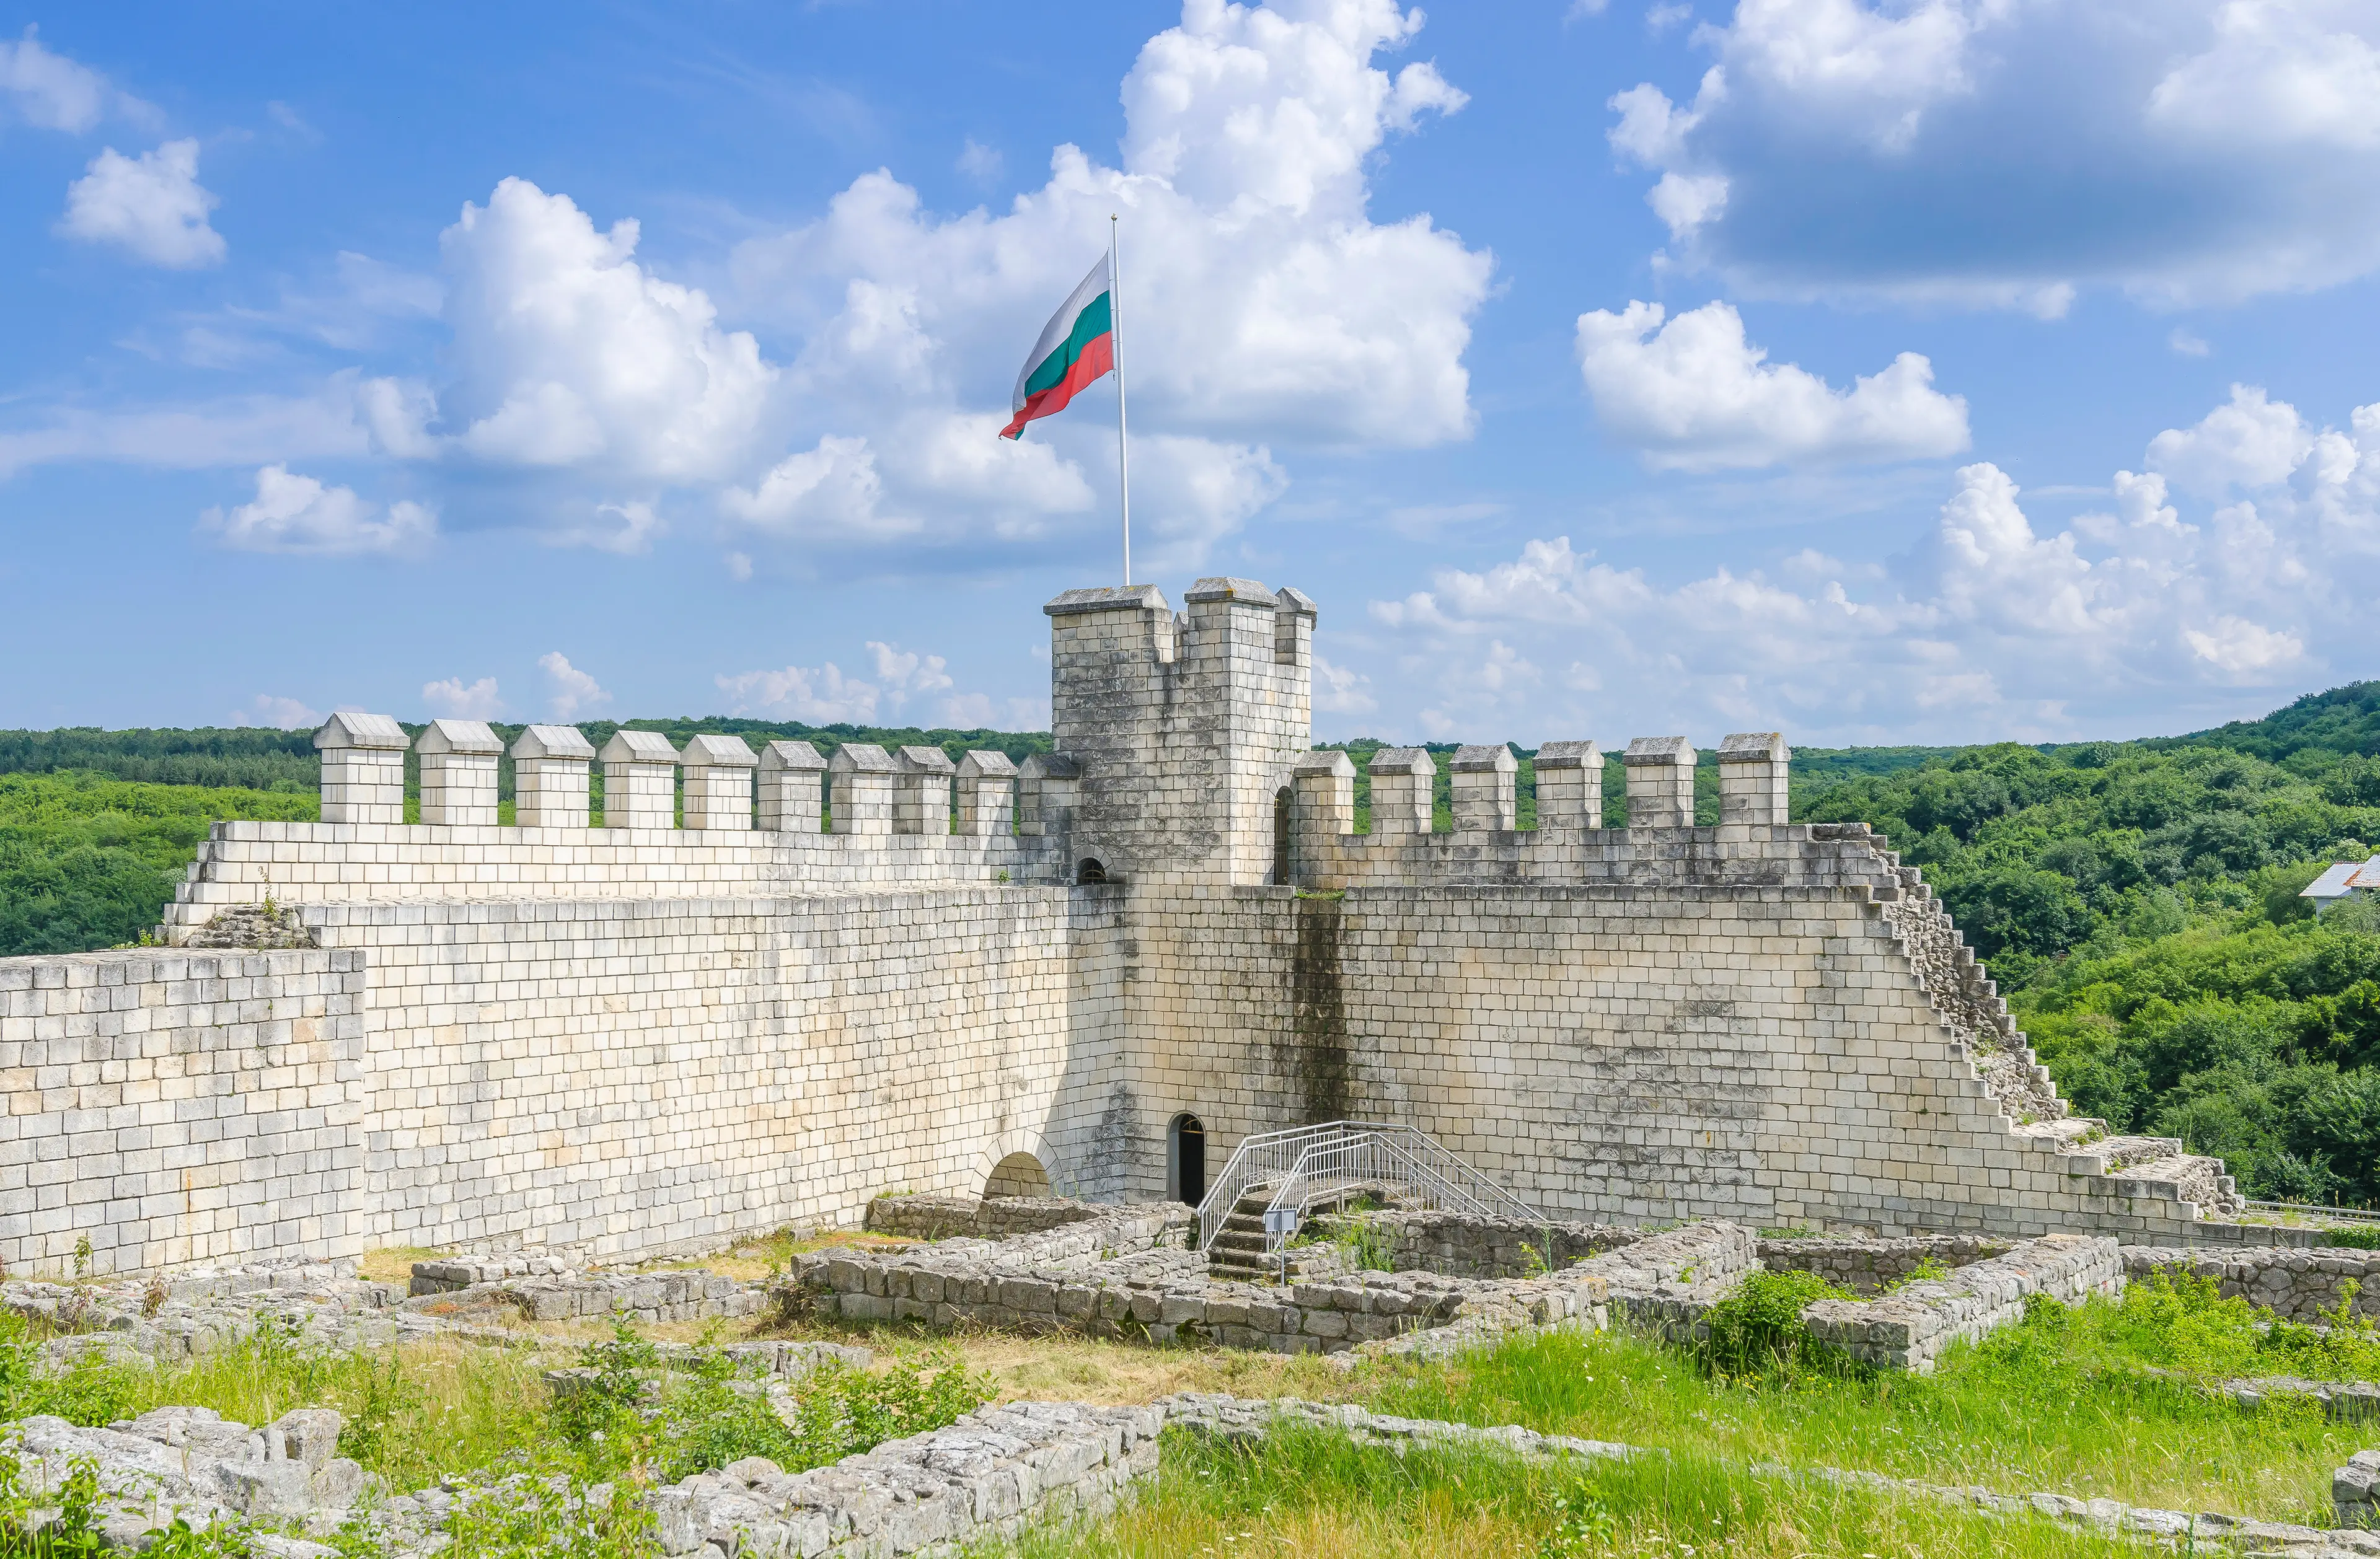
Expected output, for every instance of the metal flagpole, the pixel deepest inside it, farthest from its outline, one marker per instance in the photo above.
(1123, 447)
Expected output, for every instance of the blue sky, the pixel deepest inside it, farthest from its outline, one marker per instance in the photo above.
(1934, 372)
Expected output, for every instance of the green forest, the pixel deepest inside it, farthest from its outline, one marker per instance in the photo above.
(2137, 902)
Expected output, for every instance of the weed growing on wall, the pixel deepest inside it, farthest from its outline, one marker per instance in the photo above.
(1930, 1270)
(545, 1509)
(1757, 1330)
(703, 1413)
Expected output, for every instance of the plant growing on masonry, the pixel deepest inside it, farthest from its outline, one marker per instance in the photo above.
(545, 1510)
(1757, 1329)
(1930, 1270)
(81, 1255)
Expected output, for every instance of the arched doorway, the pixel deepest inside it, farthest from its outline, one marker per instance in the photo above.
(1282, 804)
(1020, 1174)
(1185, 1160)
(1090, 871)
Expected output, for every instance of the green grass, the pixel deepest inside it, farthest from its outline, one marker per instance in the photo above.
(423, 1412)
(2061, 1403)
(1311, 1493)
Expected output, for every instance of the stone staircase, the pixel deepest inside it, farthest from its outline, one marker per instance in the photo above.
(1971, 1007)
(1238, 1251)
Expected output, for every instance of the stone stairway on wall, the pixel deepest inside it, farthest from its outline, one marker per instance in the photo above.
(1238, 1251)
(1972, 1008)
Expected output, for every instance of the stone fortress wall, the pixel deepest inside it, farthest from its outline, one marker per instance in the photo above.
(811, 983)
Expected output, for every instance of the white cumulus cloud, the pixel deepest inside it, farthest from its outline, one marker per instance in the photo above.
(1691, 394)
(1991, 623)
(458, 700)
(585, 394)
(825, 694)
(152, 205)
(50, 90)
(279, 713)
(819, 695)
(293, 512)
(572, 354)
(2006, 153)
(1264, 307)
(1341, 690)
(570, 692)
(2251, 441)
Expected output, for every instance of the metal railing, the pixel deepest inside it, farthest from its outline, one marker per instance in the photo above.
(2360, 1215)
(1346, 1152)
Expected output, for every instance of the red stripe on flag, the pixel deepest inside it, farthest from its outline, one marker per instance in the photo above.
(1099, 357)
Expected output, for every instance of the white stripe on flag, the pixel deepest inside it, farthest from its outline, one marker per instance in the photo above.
(1061, 325)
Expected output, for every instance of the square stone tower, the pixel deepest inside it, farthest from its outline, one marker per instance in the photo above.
(1184, 726)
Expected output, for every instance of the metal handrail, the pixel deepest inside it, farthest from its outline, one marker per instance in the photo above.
(2362, 1214)
(1379, 1157)
(1418, 1159)
(1260, 1158)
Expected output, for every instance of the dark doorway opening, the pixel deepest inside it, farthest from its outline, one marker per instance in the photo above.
(1090, 871)
(1185, 1153)
(1283, 803)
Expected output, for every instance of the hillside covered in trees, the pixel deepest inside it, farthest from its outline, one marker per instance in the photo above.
(2137, 901)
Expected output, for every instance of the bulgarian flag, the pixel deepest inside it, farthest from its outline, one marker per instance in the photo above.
(1077, 346)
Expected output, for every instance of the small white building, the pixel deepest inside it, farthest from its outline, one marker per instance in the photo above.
(2346, 880)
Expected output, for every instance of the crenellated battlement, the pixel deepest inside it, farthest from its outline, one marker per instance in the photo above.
(1751, 846)
(1184, 729)
(781, 822)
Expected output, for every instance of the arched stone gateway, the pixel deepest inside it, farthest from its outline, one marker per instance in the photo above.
(1020, 1174)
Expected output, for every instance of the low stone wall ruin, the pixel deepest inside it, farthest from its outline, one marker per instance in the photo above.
(2297, 1285)
(1868, 1267)
(1459, 1245)
(990, 1218)
(194, 1463)
(1909, 1328)
(988, 1475)
(643, 1298)
(2355, 1492)
(1106, 1277)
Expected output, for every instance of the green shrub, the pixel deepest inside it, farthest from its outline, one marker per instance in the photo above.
(540, 1508)
(2362, 1238)
(1757, 1329)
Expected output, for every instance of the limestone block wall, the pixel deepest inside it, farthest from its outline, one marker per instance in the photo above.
(607, 1075)
(245, 862)
(1623, 1051)
(624, 1075)
(173, 1108)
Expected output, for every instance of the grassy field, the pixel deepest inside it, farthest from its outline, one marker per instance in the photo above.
(1309, 1493)
(2106, 1400)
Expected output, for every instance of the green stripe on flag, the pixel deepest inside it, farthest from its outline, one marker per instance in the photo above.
(1090, 325)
